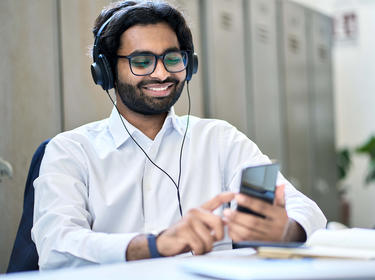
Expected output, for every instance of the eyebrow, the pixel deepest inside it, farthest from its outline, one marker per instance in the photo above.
(149, 52)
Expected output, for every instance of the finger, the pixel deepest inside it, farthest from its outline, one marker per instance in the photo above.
(256, 228)
(233, 235)
(204, 234)
(280, 196)
(239, 233)
(218, 200)
(213, 222)
(248, 221)
(255, 204)
(195, 243)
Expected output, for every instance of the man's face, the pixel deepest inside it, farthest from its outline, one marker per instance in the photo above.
(157, 92)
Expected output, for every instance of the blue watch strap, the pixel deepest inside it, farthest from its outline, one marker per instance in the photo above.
(151, 240)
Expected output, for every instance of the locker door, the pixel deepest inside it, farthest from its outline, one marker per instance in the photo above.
(191, 12)
(83, 101)
(29, 100)
(224, 61)
(264, 84)
(296, 100)
(324, 190)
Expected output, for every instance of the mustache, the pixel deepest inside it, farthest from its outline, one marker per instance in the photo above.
(157, 81)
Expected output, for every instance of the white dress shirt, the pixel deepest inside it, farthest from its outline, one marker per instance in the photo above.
(97, 190)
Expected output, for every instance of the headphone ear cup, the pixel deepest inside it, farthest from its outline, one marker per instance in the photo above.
(192, 66)
(195, 65)
(101, 72)
(107, 72)
(96, 74)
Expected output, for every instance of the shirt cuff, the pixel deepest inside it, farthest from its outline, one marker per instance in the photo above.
(114, 249)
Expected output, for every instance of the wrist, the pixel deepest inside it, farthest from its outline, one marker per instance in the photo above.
(152, 246)
(294, 232)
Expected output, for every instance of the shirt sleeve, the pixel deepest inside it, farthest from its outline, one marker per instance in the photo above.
(62, 229)
(239, 151)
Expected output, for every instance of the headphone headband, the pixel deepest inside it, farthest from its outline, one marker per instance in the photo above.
(97, 38)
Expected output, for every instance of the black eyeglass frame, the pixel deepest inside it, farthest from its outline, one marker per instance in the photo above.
(157, 57)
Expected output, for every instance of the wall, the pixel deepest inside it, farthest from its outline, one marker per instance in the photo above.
(191, 11)
(355, 100)
(46, 87)
(354, 70)
(29, 99)
(83, 101)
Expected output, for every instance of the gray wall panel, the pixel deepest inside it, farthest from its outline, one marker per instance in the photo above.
(264, 84)
(324, 190)
(225, 62)
(29, 99)
(190, 9)
(296, 100)
(83, 100)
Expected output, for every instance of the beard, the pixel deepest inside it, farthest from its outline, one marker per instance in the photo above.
(136, 100)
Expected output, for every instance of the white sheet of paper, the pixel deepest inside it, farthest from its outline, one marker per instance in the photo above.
(280, 269)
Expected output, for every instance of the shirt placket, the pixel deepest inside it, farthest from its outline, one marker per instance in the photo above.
(150, 176)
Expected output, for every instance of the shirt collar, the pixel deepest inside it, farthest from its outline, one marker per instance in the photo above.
(120, 136)
(173, 121)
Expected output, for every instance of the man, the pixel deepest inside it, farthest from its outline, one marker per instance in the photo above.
(139, 185)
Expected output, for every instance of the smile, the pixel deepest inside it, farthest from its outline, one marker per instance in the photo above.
(158, 90)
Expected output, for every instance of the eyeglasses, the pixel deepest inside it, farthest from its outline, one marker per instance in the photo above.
(143, 64)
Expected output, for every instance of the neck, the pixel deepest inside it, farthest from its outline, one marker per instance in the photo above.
(150, 125)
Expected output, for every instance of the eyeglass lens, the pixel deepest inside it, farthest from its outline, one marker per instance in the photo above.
(144, 64)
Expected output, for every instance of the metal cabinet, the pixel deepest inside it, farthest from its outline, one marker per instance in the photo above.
(224, 62)
(191, 12)
(29, 100)
(263, 77)
(324, 191)
(295, 93)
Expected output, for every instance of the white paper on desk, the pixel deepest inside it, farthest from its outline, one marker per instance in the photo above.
(280, 269)
(354, 243)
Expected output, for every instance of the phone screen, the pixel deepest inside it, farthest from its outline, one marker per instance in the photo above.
(260, 182)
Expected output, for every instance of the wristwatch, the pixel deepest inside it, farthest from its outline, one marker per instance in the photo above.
(151, 240)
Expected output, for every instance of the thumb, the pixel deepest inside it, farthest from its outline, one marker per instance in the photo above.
(280, 196)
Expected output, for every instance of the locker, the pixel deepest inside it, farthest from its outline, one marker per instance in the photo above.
(263, 87)
(224, 63)
(324, 191)
(29, 100)
(294, 83)
(190, 10)
(79, 90)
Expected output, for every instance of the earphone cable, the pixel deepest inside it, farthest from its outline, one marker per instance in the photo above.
(157, 166)
(182, 146)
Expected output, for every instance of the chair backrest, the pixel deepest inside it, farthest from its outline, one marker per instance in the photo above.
(24, 255)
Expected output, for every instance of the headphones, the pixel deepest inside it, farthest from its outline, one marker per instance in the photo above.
(101, 70)
(102, 74)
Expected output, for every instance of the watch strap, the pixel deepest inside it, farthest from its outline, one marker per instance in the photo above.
(151, 240)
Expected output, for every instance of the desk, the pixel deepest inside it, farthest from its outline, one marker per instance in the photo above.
(233, 264)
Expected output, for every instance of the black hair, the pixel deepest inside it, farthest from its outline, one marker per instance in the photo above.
(126, 14)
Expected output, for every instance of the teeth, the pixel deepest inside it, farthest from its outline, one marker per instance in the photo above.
(158, 89)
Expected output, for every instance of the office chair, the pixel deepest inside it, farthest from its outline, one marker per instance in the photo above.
(24, 255)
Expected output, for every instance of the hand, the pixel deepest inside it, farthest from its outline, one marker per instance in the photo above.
(274, 227)
(197, 231)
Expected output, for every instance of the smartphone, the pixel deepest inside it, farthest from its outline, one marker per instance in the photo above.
(260, 182)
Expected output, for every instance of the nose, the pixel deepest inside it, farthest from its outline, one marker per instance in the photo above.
(160, 72)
